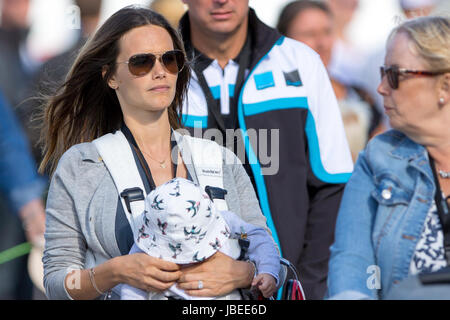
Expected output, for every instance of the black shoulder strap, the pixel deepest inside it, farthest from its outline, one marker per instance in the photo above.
(443, 212)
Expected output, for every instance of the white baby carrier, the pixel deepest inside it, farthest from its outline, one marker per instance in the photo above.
(205, 156)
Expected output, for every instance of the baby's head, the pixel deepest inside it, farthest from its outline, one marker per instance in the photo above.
(181, 224)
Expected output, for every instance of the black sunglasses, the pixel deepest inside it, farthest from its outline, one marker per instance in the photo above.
(393, 73)
(141, 64)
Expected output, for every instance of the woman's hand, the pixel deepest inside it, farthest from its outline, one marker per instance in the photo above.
(147, 273)
(219, 275)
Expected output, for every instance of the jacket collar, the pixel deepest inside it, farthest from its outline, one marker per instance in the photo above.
(405, 148)
(416, 154)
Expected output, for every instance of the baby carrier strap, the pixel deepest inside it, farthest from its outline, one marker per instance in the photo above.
(207, 160)
(117, 155)
(205, 156)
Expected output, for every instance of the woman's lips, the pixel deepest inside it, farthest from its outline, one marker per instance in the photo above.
(160, 89)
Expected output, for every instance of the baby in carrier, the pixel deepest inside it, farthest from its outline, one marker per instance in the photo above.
(182, 225)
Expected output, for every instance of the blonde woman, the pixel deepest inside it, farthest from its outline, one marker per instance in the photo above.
(391, 223)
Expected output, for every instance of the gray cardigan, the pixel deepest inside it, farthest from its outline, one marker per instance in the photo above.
(81, 211)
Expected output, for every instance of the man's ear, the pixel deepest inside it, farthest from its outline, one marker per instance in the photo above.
(112, 83)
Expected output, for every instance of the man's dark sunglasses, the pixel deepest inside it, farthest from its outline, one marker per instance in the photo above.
(393, 73)
(141, 64)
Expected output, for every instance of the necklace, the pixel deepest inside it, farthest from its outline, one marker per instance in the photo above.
(162, 164)
(444, 174)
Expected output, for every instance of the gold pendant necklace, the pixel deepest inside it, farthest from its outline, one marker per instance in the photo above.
(162, 164)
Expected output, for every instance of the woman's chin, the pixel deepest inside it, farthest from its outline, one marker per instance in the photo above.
(158, 109)
(160, 103)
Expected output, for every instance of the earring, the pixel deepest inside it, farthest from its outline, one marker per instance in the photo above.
(441, 100)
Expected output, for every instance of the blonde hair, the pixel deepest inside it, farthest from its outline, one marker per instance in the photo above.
(430, 37)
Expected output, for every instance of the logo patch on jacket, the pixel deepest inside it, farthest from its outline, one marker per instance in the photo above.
(293, 78)
(264, 80)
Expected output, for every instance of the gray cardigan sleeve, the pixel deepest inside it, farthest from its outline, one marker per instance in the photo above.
(240, 190)
(65, 246)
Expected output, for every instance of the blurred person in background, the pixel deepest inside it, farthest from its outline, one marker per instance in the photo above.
(393, 219)
(312, 23)
(16, 65)
(442, 6)
(417, 8)
(249, 79)
(172, 10)
(346, 59)
(369, 77)
(16, 70)
(46, 82)
(21, 191)
(53, 72)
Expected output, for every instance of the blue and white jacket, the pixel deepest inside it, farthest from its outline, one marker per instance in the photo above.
(286, 92)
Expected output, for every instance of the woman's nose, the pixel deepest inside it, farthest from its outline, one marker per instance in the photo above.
(158, 69)
(383, 87)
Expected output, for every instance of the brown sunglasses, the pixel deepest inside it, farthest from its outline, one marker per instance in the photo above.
(393, 73)
(141, 64)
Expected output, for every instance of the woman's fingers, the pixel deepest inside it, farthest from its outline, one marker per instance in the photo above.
(204, 284)
(162, 264)
(203, 289)
(162, 275)
(194, 285)
(150, 274)
(220, 275)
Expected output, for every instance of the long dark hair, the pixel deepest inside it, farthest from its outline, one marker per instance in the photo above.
(85, 107)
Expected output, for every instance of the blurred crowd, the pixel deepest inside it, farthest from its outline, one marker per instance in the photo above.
(24, 84)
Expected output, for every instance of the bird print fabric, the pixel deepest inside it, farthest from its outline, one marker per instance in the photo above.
(181, 223)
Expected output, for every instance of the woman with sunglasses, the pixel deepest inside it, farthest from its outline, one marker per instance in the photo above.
(131, 76)
(392, 222)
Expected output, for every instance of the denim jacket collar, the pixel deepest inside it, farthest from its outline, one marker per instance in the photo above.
(408, 149)
(416, 154)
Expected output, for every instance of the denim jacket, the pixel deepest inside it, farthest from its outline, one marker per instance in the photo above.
(19, 180)
(381, 218)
